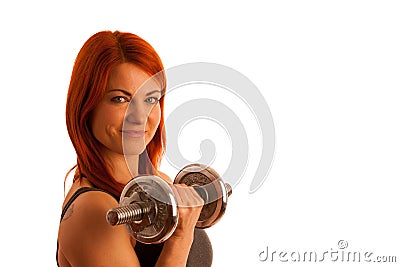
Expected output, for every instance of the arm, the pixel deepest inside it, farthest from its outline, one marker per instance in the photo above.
(176, 248)
(86, 239)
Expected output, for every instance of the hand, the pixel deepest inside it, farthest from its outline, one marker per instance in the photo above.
(189, 207)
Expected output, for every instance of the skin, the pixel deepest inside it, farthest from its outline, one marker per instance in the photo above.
(85, 237)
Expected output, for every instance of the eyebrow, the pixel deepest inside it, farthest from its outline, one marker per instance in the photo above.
(129, 94)
(119, 90)
(154, 91)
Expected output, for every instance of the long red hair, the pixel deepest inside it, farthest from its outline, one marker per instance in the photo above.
(98, 56)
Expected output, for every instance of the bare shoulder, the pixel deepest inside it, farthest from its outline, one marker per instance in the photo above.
(85, 237)
(91, 202)
(87, 211)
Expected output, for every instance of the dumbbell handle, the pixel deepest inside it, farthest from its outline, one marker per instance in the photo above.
(137, 210)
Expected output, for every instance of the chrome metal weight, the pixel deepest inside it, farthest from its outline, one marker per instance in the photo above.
(149, 208)
(209, 185)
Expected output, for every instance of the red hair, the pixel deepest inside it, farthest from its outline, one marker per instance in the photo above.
(98, 56)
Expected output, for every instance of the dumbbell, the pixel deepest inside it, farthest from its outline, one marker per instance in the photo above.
(149, 209)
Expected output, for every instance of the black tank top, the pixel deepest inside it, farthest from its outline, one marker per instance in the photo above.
(200, 253)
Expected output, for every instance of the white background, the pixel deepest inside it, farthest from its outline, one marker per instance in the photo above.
(329, 71)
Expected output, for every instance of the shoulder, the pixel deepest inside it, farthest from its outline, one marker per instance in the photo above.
(84, 199)
(93, 200)
(85, 237)
(86, 211)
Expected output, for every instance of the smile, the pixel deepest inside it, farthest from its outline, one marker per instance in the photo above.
(133, 133)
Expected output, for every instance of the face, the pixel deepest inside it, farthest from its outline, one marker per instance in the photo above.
(126, 119)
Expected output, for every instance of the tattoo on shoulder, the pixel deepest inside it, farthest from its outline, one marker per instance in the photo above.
(69, 212)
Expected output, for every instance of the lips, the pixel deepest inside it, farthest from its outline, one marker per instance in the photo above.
(133, 133)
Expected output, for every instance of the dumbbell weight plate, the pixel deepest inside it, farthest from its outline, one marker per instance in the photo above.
(212, 190)
(162, 220)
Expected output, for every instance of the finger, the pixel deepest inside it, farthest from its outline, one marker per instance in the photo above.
(196, 198)
(177, 195)
(188, 196)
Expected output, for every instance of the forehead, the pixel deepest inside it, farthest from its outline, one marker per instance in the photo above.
(129, 77)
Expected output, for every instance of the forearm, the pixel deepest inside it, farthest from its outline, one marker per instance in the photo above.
(175, 251)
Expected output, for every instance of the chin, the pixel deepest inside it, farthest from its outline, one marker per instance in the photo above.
(133, 147)
(133, 151)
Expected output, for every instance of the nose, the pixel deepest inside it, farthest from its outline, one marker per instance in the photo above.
(136, 114)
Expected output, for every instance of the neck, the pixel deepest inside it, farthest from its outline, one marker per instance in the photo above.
(123, 168)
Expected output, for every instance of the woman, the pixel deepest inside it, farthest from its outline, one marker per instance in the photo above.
(108, 71)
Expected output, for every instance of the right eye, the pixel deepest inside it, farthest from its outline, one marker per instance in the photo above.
(119, 99)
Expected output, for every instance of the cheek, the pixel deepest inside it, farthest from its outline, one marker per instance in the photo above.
(154, 118)
(96, 123)
(106, 121)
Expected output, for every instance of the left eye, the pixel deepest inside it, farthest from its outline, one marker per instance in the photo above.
(152, 100)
